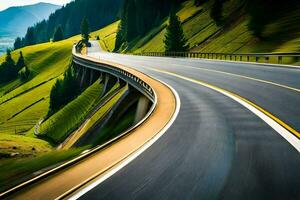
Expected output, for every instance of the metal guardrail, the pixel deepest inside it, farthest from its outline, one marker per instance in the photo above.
(248, 57)
(126, 76)
(131, 79)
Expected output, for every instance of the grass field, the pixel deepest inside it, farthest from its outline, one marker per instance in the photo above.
(108, 101)
(15, 171)
(107, 36)
(23, 104)
(204, 36)
(58, 126)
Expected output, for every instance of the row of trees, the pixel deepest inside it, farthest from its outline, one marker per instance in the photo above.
(260, 12)
(139, 17)
(30, 38)
(66, 21)
(10, 70)
(64, 91)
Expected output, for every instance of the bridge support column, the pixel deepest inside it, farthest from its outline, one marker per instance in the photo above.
(142, 109)
(83, 74)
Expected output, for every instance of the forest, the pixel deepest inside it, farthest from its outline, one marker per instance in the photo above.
(98, 12)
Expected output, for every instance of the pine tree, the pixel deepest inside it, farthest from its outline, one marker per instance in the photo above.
(199, 2)
(131, 28)
(8, 69)
(216, 12)
(9, 60)
(30, 37)
(18, 43)
(121, 33)
(120, 37)
(174, 37)
(58, 35)
(21, 62)
(85, 31)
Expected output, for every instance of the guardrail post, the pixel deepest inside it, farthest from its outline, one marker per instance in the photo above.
(256, 58)
(230, 57)
(267, 59)
(279, 59)
(234, 58)
(241, 58)
(248, 58)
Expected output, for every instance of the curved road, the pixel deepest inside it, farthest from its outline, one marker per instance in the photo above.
(216, 148)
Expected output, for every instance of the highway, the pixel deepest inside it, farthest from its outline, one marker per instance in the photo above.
(218, 147)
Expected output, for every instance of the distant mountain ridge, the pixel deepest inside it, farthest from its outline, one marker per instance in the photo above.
(14, 21)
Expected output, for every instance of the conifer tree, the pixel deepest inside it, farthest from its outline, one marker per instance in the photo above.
(18, 43)
(8, 69)
(21, 62)
(174, 37)
(121, 33)
(58, 35)
(199, 2)
(131, 28)
(30, 37)
(216, 12)
(85, 30)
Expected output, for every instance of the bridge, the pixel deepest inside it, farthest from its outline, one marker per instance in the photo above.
(216, 130)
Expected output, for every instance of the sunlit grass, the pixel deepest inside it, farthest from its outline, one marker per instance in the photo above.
(65, 120)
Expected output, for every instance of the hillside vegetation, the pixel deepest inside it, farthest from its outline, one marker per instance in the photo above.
(99, 14)
(23, 104)
(279, 32)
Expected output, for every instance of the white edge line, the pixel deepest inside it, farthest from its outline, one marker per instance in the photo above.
(130, 158)
(293, 140)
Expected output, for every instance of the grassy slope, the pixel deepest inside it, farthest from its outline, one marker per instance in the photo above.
(23, 104)
(15, 171)
(96, 116)
(61, 123)
(203, 35)
(107, 36)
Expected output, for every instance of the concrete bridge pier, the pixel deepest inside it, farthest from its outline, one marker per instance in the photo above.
(109, 82)
(142, 108)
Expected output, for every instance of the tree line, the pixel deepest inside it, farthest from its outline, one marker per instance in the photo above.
(65, 22)
(10, 70)
(140, 16)
(68, 88)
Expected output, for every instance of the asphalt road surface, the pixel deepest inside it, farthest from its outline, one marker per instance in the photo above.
(216, 148)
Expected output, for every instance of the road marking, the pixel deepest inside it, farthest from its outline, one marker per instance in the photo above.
(134, 155)
(278, 125)
(246, 77)
(240, 76)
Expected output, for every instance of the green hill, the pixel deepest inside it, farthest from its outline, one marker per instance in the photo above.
(281, 34)
(23, 104)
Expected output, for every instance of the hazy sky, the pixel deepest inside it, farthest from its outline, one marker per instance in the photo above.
(8, 3)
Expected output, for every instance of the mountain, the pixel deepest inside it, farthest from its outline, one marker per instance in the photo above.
(14, 21)
(99, 13)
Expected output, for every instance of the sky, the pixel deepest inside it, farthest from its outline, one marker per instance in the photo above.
(9, 3)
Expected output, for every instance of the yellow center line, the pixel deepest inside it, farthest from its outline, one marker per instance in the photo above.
(267, 113)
